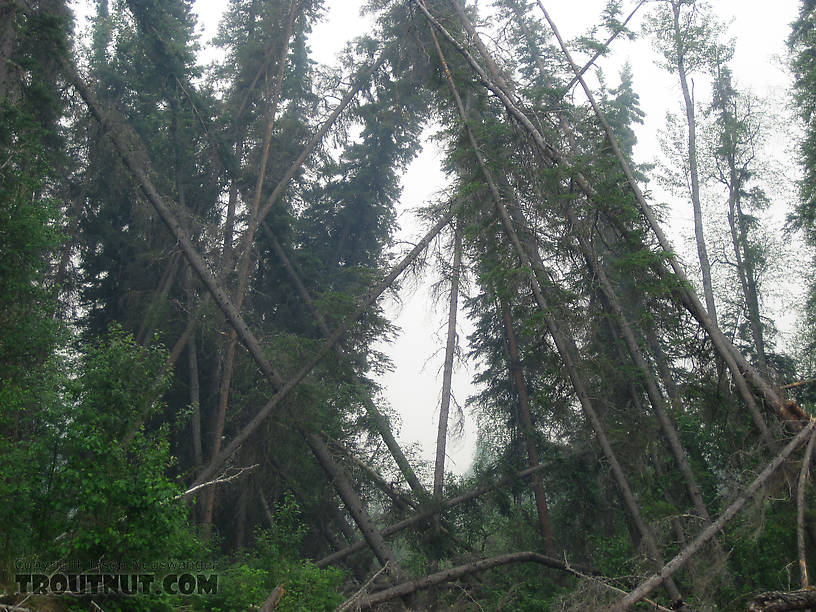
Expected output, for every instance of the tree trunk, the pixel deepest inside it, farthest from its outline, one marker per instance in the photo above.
(428, 511)
(447, 374)
(781, 601)
(800, 511)
(747, 273)
(454, 573)
(354, 504)
(400, 499)
(528, 431)
(691, 122)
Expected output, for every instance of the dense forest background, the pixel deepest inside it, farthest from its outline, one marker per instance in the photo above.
(193, 260)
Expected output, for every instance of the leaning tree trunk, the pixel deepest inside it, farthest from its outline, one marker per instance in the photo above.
(355, 507)
(426, 512)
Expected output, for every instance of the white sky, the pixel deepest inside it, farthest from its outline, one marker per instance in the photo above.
(413, 389)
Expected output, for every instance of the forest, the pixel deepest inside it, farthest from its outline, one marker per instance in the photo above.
(196, 257)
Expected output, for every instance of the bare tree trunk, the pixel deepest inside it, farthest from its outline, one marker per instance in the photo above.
(745, 269)
(709, 532)
(691, 122)
(447, 374)
(663, 367)
(227, 252)
(455, 573)
(800, 511)
(528, 431)
(354, 504)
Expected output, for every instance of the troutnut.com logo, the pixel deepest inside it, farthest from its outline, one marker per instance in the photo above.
(116, 584)
(115, 577)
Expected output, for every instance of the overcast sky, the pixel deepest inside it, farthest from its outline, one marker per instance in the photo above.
(413, 389)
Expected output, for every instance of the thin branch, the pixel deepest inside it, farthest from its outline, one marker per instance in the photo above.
(798, 384)
(599, 52)
(217, 481)
(352, 601)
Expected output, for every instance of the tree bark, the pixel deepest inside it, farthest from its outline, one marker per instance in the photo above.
(691, 122)
(800, 511)
(528, 431)
(745, 268)
(447, 374)
(354, 504)
(400, 499)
